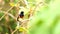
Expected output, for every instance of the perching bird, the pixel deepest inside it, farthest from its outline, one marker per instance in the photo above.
(21, 15)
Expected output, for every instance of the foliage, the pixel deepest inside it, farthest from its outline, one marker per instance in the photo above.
(45, 19)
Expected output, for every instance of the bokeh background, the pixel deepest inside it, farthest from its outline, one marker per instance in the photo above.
(45, 19)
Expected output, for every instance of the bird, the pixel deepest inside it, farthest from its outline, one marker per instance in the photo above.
(21, 15)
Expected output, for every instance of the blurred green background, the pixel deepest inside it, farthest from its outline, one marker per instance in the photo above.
(46, 18)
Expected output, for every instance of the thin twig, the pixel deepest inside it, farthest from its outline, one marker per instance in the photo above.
(14, 31)
(17, 29)
(10, 15)
(8, 11)
(37, 6)
(5, 14)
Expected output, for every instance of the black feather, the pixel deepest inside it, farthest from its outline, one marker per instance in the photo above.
(21, 14)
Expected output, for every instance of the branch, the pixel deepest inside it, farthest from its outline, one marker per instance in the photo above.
(14, 31)
(9, 15)
(8, 11)
(5, 14)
